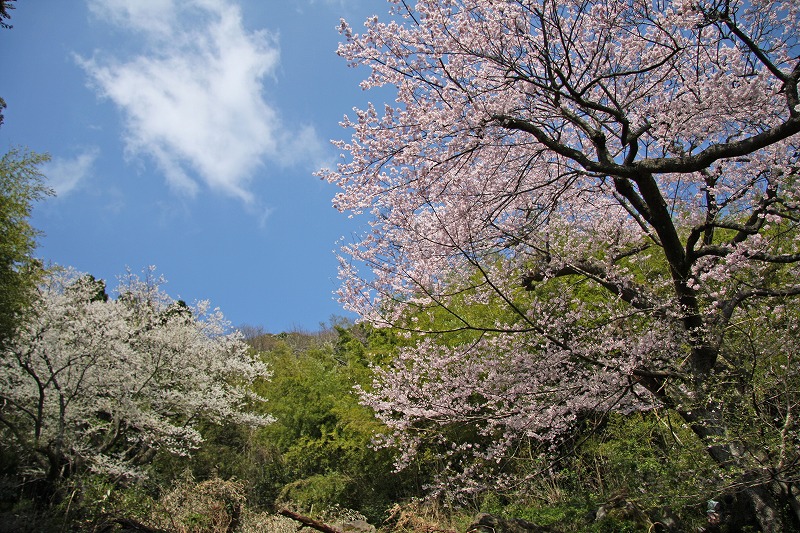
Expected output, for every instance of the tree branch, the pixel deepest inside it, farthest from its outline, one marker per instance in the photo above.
(309, 522)
(703, 159)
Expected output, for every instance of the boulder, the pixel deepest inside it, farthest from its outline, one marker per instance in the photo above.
(358, 526)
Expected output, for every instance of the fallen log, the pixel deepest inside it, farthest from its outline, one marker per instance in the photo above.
(309, 522)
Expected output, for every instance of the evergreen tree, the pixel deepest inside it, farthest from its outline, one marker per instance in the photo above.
(21, 184)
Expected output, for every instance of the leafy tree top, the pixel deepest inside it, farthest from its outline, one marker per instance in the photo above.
(21, 185)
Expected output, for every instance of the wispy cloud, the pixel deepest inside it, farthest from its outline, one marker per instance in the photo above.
(153, 16)
(65, 174)
(193, 100)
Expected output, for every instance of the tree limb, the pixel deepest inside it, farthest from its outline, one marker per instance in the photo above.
(309, 522)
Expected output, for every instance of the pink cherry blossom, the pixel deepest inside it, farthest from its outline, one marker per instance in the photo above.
(616, 180)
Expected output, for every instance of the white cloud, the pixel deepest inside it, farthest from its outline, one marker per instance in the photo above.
(65, 174)
(193, 102)
(156, 16)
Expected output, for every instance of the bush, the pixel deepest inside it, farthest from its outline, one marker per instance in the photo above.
(212, 506)
(318, 493)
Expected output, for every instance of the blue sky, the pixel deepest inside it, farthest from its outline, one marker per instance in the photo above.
(184, 134)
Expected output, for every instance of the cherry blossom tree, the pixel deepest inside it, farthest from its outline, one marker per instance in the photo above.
(101, 384)
(618, 181)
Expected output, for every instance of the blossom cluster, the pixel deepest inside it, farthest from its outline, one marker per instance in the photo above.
(616, 181)
(101, 383)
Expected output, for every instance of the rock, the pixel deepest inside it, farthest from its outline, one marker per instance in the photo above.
(358, 526)
(486, 523)
(665, 521)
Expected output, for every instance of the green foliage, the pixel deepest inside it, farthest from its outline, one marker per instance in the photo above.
(319, 451)
(651, 458)
(764, 367)
(322, 433)
(620, 473)
(85, 502)
(320, 491)
(21, 185)
(533, 508)
(88, 502)
(228, 451)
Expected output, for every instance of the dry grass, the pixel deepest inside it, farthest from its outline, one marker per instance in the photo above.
(418, 517)
(213, 506)
(267, 523)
